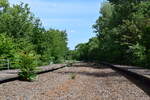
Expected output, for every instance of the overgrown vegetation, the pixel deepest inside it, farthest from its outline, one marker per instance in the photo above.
(22, 33)
(27, 66)
(123, 34)
(123, 37)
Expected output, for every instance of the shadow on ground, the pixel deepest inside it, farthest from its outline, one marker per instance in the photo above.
(93, 74)
(88, 73)
(138, 82)
(91, 65)
(141, 84)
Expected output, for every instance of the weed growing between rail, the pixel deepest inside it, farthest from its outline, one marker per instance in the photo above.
(72, 75)
(28, 66)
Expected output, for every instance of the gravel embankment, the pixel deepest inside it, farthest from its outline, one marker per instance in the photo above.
(12, 73)
(89, 84)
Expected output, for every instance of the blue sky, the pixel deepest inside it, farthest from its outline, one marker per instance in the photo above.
(74, 16)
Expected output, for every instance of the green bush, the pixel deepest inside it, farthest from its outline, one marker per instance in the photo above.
(28, 66)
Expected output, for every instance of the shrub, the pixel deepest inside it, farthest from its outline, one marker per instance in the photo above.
(28, 66)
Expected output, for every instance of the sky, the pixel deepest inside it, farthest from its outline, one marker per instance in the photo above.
(74, 16)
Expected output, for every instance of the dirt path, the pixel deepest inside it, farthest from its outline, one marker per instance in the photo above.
(89, 84)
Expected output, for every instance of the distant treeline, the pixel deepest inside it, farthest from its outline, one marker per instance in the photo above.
(22, 33)
(123, 34)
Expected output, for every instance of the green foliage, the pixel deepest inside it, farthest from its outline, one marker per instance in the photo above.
(123, 33)
(6, 46)
(28, 66)
(138, 52)
(3, 4)
(26, 43)
(55, 45)
(16, 21)
(87, 51)
(71, 55)
(20, 30)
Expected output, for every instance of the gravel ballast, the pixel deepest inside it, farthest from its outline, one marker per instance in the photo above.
(88, 84)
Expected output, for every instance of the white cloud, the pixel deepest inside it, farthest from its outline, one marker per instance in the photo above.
(71, 31)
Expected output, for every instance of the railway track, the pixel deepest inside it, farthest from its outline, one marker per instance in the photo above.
(91, 82)
(137, 75)
(12, 75)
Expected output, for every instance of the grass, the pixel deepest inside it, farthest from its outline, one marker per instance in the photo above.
(73, 76)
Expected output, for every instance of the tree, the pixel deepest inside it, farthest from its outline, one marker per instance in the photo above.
(123, 33)
(6, 46)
